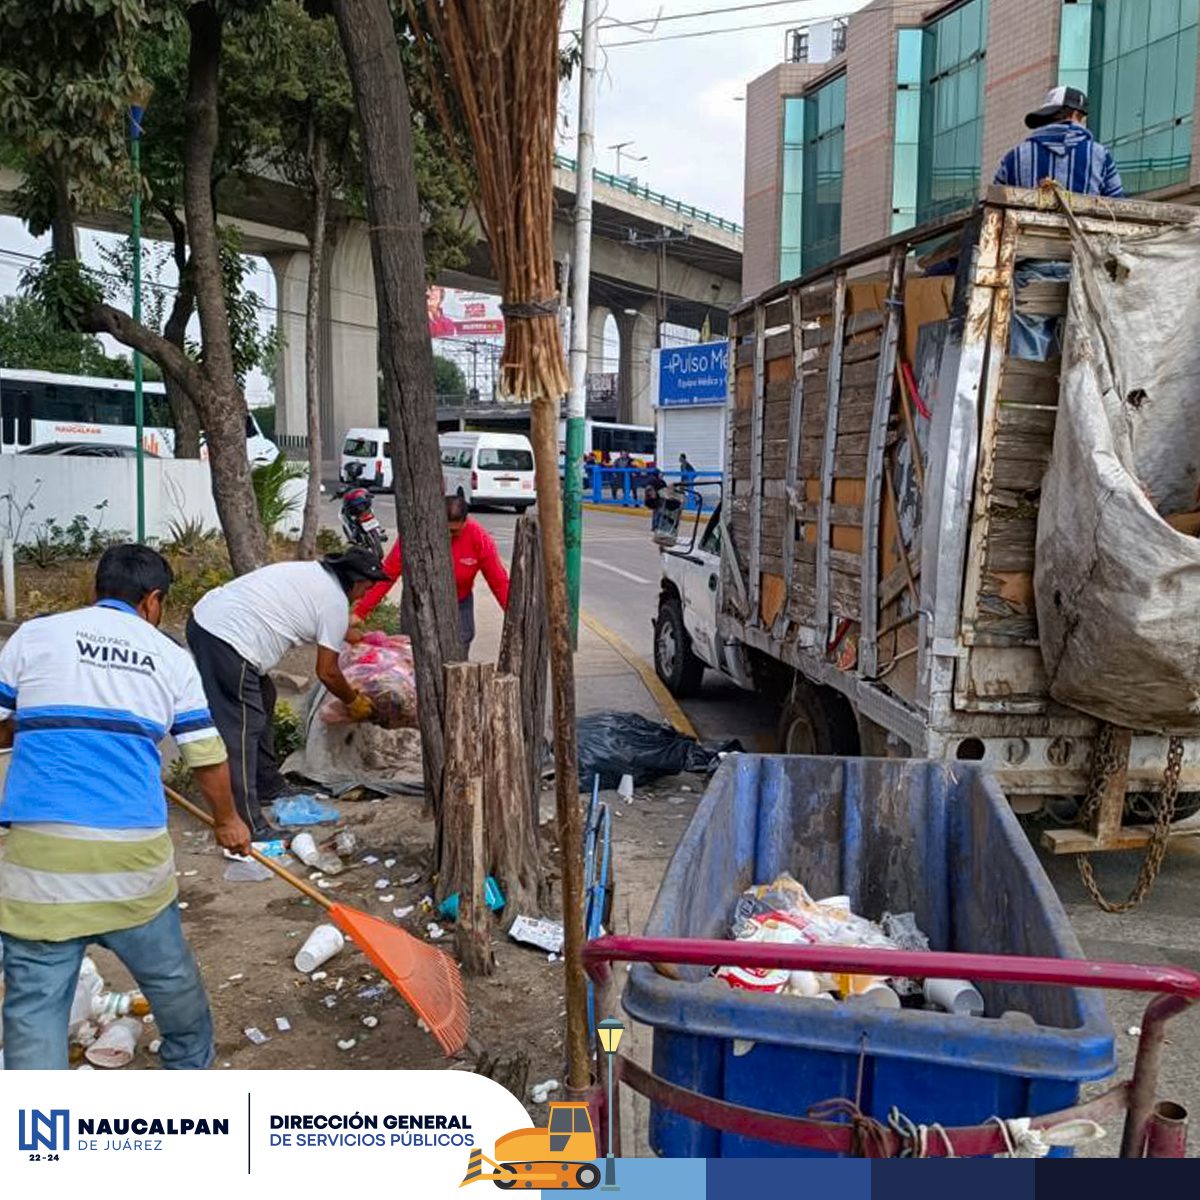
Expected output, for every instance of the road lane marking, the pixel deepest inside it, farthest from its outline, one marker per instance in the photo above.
(655, 686)
(595, 562)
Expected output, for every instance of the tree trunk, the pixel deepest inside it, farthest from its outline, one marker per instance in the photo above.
(468, 688)
(524, 650)
(318, 220)
(513, 853)
(221, 404)
(385, 120)
(183, 410)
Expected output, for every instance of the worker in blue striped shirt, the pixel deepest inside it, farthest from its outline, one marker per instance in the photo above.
(1061, 148)
(85, 699)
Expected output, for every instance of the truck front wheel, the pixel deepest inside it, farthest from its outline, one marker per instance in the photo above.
(674, 661)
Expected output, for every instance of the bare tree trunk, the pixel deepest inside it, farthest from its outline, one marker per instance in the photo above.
(385, 120)
(221, 404)
(183, 410)
(318, 219)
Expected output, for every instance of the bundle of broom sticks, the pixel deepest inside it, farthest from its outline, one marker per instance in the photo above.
(498, 78)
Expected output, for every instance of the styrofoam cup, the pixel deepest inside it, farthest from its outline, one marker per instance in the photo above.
(954, 996)
(881, 995)
(321, 945)
(305, 849)
(116, 1043)
(625, 787)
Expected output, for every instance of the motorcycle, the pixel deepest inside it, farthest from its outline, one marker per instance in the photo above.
(360, 525)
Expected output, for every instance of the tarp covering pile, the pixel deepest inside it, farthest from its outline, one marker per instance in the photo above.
(1117, 588)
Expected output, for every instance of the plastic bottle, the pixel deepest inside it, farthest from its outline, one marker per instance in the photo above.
(87, 988)
(119, 1004)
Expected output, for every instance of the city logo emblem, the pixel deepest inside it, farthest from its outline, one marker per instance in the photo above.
(48, 1131)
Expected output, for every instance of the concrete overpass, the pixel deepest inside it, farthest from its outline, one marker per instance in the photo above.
(645, 245)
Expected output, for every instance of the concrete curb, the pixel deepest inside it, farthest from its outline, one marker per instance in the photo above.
(616, 509)
(655, 686)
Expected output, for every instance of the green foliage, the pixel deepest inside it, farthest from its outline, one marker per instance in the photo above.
(178, 775)
(81, 537)
(385, 618)
(253, 346)
(329, 541)
(192, 583)
(448, 379)
(272, 493)
(63, 287)
(187, 536)
(32, 339)
(287, 728)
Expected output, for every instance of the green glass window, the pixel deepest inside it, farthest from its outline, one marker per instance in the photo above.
(813, 156)
(1141, 84)
(952, 77)
(906, 151)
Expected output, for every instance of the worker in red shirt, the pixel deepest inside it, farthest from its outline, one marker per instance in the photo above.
(472, 551)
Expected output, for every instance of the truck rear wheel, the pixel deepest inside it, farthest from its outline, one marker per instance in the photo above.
(814, 721)
(674, 662)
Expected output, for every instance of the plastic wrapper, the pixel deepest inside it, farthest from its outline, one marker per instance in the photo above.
(613, 744)
(782, 912)
(381, 667)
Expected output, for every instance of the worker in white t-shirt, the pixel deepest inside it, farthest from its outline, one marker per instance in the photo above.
(240, 631)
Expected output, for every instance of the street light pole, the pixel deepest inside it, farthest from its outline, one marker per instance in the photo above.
(139, 414)
(609, 1032)
(581, 257)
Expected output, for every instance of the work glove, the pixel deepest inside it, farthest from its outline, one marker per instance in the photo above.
(360, 708)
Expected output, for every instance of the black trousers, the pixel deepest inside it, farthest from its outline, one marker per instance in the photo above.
(242, 703)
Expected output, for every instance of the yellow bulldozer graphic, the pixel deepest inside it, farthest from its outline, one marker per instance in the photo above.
(558, 1156)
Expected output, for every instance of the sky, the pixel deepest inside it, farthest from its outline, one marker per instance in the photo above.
(679, 99)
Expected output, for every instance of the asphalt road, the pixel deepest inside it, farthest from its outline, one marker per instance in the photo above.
(620, 591)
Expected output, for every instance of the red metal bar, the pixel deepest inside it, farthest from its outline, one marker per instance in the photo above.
(976, 1141)
(1166, 1132)
(1144, 1085)
(1011, 968)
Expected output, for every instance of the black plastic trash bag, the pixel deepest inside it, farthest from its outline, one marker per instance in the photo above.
(613, 744)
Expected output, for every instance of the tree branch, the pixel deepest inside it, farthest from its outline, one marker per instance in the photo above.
(178, 234)
(104, 318)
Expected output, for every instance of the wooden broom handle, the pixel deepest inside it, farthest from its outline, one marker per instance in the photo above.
(301, 885)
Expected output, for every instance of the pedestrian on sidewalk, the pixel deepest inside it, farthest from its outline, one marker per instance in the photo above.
(472, 552)
(1062, 148)
(240, 631)
(85, 698)
(687, 473)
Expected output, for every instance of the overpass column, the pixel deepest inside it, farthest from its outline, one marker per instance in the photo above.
(636, 330)
(350, 383)
(597, 319)
(291, 284)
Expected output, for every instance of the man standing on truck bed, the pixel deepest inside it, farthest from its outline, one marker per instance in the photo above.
(1061, 148)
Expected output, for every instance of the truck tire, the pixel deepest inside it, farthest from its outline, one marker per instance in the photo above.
(814, 721)
(674, 662)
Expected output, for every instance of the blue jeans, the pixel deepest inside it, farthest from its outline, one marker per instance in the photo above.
(39, 985)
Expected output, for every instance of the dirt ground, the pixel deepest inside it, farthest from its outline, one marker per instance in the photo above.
(245, 936)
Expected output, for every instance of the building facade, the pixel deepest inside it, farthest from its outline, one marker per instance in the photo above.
(911, 119)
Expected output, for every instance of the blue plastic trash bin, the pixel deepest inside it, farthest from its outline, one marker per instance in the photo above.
(934, 839)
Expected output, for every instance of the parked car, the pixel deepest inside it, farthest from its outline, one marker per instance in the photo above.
(366, 458)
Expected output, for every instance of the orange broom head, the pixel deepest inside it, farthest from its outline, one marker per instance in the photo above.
(427, 978)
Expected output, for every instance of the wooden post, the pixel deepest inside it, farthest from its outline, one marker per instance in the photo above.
(464, 865)
(1111, 813)
(512, 852)
(525, 649)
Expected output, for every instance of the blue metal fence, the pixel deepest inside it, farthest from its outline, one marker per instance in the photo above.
(625, 487)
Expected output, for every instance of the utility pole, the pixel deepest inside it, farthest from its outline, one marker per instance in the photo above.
(581, 260)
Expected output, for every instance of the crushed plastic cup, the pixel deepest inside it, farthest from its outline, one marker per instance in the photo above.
(116, 1044)
(346, 843)
(245, 870)
(956, 996)
(625, 787)
(305, 849)
(491, 894)
(319, 947)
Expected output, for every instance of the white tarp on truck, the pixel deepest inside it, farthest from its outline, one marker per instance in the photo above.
(1117, 588)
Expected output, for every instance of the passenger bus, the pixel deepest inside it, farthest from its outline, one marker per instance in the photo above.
(38, 408)
(608, 437)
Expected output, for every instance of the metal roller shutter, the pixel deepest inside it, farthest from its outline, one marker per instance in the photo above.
(697, 432)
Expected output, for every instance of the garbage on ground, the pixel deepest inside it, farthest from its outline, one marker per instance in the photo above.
(256, 1035)
(491, 894)
(275, 848)
(389, 863)
(369, 859)
(317, 976)
(409, 880)
(116, 1044)
(347, 1043)
(283, 1024)
(346, 843)
(534, 931)
(370, 1021)
(402, 912)
(625, 787)
(383, 883)
(614, 744)
(303, 810)
(319, 947)
(782, 912)
(329, 1000)
(435, 931)
(241, 869)
(373, 993)
(540, 1092)
(155, 1045)
(381, 668)
(385, 898)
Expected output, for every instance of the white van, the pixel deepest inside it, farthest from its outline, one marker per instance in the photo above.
(489, 468)
(370, 449)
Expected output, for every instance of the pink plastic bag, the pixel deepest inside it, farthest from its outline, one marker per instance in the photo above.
(381, 667)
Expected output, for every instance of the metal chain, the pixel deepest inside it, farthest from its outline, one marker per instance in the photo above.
(1105, 762)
